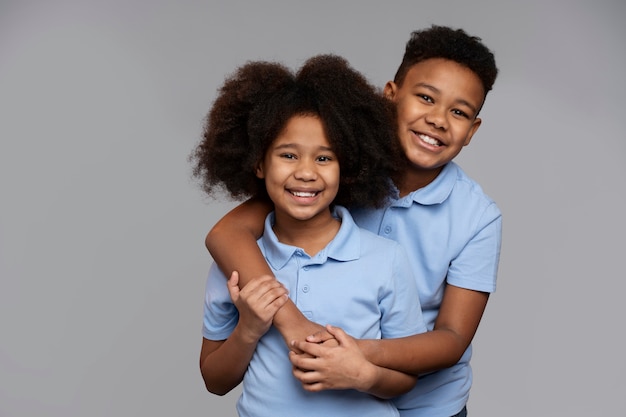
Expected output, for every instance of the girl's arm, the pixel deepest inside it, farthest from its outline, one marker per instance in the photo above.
(223, 363)
(232, 244)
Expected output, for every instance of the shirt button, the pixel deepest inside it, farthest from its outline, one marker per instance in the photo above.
(305, 288)
(387, 230)
(306, 268)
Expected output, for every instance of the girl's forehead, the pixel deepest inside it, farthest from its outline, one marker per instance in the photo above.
(302, 130)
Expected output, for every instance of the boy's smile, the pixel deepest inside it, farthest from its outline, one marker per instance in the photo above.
(301, 171)
(437, 104)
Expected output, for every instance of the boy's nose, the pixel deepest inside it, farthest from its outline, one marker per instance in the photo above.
(437, 117)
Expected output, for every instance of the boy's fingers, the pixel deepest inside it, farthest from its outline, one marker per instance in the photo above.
(337, 333)
(311, 349)
(320, 336)
(301, 360)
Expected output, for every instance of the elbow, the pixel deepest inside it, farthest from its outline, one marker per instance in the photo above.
(455, 355)
(218, 385)
(209, 240)
(216, 390)
(452, 360)
(215, 387)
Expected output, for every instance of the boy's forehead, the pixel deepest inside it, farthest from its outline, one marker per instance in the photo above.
(446, 76)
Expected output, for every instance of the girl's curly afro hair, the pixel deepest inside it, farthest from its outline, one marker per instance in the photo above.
(257, 101)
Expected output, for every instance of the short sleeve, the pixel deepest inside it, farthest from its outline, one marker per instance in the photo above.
(476, 266)
(220, 314)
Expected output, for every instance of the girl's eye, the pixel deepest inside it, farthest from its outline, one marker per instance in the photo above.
(324, 159)
(288, 156)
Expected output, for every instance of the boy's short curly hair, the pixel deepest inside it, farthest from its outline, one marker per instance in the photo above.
(255, 104)
(453, 44)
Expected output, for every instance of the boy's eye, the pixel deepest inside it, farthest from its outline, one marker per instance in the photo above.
(459, 113)
(425, 98)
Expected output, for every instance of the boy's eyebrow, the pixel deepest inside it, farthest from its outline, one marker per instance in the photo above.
(459, 100)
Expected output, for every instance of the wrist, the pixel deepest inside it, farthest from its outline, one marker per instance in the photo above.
(245, 336)
(368, 348)
(368, 378)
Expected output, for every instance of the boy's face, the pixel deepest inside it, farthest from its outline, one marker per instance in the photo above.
(437, 105)
(301, 171)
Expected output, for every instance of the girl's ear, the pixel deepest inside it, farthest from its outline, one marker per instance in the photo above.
(259, 171)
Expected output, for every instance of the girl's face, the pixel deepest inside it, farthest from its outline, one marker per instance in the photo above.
(301, 171)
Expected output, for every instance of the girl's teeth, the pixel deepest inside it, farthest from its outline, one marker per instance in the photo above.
(303, 194)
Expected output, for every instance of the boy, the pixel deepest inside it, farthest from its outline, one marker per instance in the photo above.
(449, 227)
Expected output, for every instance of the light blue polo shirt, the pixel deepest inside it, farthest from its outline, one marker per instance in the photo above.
(360, 282)
(451, 232)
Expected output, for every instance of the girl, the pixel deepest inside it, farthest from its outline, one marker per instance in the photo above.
(310, 144)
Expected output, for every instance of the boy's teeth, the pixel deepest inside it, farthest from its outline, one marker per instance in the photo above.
(303, 194)
(430, 140)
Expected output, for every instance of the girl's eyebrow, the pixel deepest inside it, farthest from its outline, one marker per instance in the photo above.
(326, 148)
(285, 145)
(294, 145)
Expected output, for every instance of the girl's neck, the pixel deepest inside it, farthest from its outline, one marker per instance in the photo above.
(312, 235)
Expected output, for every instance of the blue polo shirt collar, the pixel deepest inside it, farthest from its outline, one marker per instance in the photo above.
(437, 191)
(344, 247)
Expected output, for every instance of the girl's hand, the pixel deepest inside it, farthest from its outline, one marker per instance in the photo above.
(257, 303)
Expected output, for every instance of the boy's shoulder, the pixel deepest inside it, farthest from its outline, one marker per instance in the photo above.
(464, 180)
(453, 186)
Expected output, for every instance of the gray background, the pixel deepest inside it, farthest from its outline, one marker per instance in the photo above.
(102, 262)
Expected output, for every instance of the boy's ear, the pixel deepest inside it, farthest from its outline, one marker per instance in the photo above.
(473, 129)
(259, 171)
(390, 90)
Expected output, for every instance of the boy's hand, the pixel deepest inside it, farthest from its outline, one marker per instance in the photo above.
(321, 367)
(321, 336)
(257, 303)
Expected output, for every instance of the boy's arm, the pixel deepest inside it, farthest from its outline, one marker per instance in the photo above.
(459, 316)
(345, 367)
(460, 312)
(232, 244)
(456, 324)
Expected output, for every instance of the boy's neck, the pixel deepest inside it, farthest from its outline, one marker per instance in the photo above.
(414, 178)
(312, 235)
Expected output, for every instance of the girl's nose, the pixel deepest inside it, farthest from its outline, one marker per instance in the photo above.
(306, 171)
